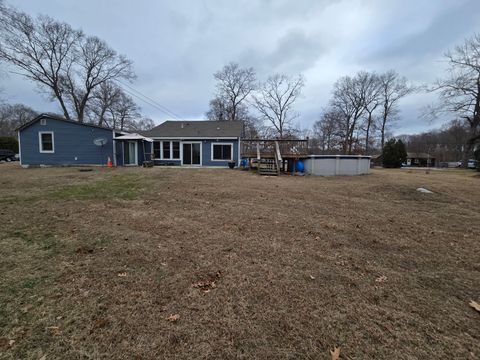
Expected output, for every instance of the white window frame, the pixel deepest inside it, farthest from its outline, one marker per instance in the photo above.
(221, 143)
(179, 150)
(171, 150)
(40, 147)
(161, 150)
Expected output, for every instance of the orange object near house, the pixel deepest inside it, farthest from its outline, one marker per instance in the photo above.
(109, 162)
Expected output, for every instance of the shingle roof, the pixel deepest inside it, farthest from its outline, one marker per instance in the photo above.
(412, 155)
(194, 128)
(56, 117)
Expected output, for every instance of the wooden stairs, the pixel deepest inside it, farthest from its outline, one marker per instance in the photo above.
(269, 166)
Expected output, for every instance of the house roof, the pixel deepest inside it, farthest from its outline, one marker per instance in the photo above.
(412, 155)
(56, 117)
(194, 128)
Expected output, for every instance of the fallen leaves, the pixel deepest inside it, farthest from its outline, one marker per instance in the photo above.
(474, 305)
(335, 353)
(5, 342)
(381, 279)
(209, 283)
(173, 318)
(205, 285)
(84, 250)
(54, 330)
(26, 308)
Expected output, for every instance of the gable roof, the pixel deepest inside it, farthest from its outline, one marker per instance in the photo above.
(56, 117)
(194, 128)
(412, 155)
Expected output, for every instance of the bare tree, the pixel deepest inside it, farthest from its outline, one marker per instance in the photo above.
(97, 63)
(103, 99)
(124, 113)
(393, 88)
(371, 102)
(460, 89)
(65, 62)
(275, 100)
(234, 85)
(349, 101)
(12, 116)
(326, 130)
(143, 124)
(218, 110)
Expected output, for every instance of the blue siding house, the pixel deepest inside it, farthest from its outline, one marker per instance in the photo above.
(196, 143)
(52, 140)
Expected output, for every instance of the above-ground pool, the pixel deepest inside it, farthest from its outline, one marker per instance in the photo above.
(329, 165)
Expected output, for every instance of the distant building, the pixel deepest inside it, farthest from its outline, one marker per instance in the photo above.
(420, 159)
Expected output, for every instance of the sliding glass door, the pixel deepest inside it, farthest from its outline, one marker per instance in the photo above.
(191, 153)
(130, 153)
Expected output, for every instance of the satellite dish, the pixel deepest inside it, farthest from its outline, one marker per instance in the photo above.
(100, 141)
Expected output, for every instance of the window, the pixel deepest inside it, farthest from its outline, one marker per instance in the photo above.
(175, 149)
(46, 142)
(170, 150)
(222, 152)
(166, 149)
(43, 121)
(156, 149)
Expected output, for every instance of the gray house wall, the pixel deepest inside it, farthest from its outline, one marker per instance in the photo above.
(73, 144)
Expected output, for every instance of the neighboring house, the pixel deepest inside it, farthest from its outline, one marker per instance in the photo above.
(420, 159)
(377, 160)
(200, 143)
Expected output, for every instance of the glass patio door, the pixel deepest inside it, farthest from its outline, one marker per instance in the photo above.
(130, 153)
(191, 154)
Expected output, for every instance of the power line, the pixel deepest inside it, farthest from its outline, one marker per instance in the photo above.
(148, 100)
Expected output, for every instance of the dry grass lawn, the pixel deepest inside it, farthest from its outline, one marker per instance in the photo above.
(94, 265)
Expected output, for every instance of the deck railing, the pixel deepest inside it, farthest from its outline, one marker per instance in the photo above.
(265, 148)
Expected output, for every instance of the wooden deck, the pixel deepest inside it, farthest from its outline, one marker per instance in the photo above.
(265, 149)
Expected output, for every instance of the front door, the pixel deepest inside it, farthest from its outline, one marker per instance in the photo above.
(191, 154)
(130, 152)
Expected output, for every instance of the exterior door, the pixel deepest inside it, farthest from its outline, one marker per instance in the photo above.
(191, 153)
(130, 153)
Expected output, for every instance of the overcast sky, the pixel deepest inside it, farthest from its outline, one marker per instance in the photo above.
(177, 45)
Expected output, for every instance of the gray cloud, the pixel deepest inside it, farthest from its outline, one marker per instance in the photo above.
(177, 46)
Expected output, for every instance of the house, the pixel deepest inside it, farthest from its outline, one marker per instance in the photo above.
(420, 159)
(377, 160)
(196, 143)
(52, 140)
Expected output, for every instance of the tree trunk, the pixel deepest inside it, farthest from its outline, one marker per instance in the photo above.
(62, 104)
